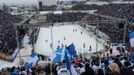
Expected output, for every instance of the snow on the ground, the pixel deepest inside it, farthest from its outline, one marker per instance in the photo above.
(59, 32)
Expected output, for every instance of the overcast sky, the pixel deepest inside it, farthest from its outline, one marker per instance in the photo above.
(27, 2)
(18, 2)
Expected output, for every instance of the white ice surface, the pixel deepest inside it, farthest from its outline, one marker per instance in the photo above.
(59, 32)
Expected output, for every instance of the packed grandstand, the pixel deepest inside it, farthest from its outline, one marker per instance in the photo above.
(117, 58)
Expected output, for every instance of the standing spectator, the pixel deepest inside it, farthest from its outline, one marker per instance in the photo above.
(64, 38)
(84, 45)
(90, 48)
(81, 33)
(47, 69)
(114, 69)
(54, 71)
(50, 45)
(88, 70)
(111, 51)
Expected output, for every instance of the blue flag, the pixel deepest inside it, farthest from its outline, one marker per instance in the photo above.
(31, 61)
(58, 55)
(68, 63)
(72, 51)
(70, 68)
(60, 50)
(57, 58)
(131, 39)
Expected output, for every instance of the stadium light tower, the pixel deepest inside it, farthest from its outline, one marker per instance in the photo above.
(97, 31)
(52, 38)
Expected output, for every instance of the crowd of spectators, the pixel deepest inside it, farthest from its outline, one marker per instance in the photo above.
(85, 7)
(65, 17)
(111, 29)
(108, 65)
(116, 10)
(36, 70)
(8, 38)
(6, 18)
(98, 64)
(113, 65)
(115, 30)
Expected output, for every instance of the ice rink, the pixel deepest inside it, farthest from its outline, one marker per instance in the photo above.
(65, 35)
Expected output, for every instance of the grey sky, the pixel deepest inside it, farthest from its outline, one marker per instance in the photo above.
(18, 2)
(29, 2)
(26, 2)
